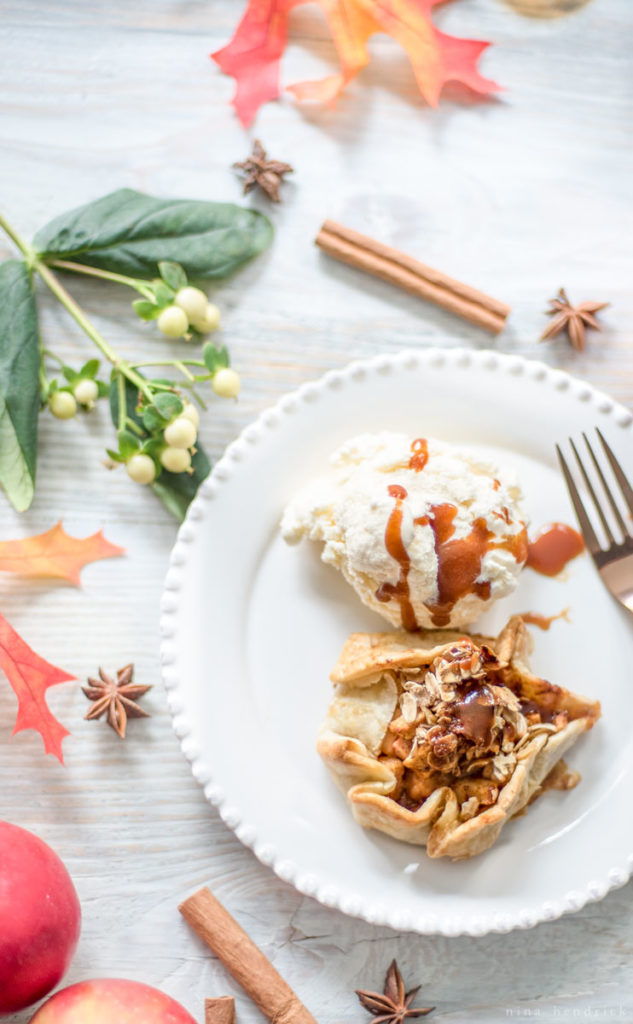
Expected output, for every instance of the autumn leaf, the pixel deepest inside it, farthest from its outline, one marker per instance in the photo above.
(351, 25)
(31, 676)
(55, 553)
(253, 56)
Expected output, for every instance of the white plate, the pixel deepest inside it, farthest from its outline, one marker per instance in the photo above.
(252, 628)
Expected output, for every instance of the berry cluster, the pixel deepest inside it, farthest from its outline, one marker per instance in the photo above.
(157, 427)
(179, 437)
(180, 310)
(80, 392)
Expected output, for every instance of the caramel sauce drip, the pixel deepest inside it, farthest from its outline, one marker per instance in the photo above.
(459, 560)
(475, 714)
(504, 515)
(543, 621)
(553, 547)
(395, 546)
(419, 454)
(530, 707)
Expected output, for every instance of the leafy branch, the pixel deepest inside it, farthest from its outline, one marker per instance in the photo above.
(114, 238)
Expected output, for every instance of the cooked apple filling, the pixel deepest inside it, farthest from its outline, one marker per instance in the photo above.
(461, 724)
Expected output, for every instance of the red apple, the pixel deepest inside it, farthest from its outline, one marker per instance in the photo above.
(110, 1001)
(40, 919)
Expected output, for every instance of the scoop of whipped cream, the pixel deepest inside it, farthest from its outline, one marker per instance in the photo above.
(428, 535)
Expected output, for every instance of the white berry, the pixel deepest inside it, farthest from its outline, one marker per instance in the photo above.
(193, 302)
(226, 383)
(173, 322)
(191, 413)
(176, 460)
(181, 433)
(62, 405)
(141, 468)
(209, 321)
(86, 392)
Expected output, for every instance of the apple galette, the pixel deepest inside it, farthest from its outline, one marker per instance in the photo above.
(440, 738)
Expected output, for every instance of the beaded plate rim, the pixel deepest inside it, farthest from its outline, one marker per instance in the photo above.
(235, 455)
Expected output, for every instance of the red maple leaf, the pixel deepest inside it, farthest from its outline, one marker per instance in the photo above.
(253, 56)
(30, 676)
(55, 553)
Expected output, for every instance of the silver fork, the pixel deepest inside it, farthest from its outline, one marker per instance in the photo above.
(615, 562)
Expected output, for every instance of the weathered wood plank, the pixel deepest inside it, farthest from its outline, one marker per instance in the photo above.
(516, 196)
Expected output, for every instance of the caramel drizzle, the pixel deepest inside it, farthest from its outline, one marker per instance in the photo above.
(504, 515)
(419, 454)
(543, 621)
(395, 546)
(475, 714)
(553, 547)
(459, 560)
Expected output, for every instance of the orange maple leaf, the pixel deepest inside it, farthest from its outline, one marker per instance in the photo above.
(351, 24)
(55, 553)
(31, 676)
(254, 54)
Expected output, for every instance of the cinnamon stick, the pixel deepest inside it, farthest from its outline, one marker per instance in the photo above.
(394, 266)
(220, 1011)
(244, 961)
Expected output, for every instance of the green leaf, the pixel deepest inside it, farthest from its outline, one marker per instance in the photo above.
(90, 369)
(163, 294)
(131, 233)
(146, 310)
(153, 447)
(177, 490)
(128, 443)
(19, 383)
(172, 274)
(168, 405)
(152, 419)
(215, 358)
(70, 374)
(104, 389)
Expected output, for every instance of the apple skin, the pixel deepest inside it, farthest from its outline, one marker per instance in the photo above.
(40, 919)
(111, 1001)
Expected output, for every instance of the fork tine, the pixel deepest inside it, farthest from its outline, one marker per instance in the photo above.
(592, 493)
(607, 490)
(585, 525)
(618, 472)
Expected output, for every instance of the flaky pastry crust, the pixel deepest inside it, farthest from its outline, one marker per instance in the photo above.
(413, 768)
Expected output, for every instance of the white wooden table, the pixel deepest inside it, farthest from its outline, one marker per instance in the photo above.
(518, 196)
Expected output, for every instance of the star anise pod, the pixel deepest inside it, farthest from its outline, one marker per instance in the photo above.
(263, 173)
(573, 319)
(116, 698)
(393, 1005)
